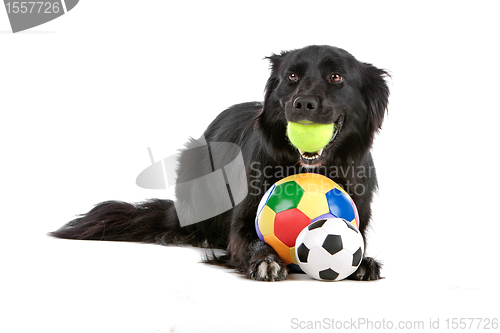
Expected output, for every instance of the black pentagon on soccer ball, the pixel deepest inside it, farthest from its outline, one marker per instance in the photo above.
(328, 274)
(333, 244)
(303, 252)
(317, 224)
(356, 258)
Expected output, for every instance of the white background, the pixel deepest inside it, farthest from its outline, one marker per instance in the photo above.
(83, 96)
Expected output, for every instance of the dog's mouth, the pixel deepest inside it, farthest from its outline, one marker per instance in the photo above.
(315, 159)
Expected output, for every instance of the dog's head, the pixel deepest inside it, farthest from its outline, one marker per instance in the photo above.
(325, 85)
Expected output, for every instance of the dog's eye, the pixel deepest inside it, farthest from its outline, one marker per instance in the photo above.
(292, 77)
(336, 78)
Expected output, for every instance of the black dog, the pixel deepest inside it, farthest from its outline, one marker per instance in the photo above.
(321, 84)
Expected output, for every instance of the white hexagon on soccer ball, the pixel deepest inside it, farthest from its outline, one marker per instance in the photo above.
(341, 263)
(352, 240)
(313, 238)
(317, 260)
(335, 226)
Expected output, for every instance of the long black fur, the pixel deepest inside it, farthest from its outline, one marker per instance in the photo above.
(357, 103)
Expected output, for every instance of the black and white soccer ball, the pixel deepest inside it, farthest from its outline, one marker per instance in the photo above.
(329, 249)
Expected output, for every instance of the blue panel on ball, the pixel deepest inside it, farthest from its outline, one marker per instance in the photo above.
(340, 204)
(324, 216)
(294, 268)
(264, 199)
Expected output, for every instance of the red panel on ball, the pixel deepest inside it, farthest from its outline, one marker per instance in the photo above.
(288, 225)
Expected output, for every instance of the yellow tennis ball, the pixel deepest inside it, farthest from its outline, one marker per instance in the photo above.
(309, 137)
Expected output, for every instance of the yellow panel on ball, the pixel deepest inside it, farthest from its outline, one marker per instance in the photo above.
(313, 204)
(287, 179)
(282, 250)
(313, 182)
(266, 221)
(292, 254)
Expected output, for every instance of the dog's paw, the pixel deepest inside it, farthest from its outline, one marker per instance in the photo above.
(269, 268)
(368, 270)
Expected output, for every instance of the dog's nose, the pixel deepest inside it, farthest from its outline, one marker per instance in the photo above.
(305, 104)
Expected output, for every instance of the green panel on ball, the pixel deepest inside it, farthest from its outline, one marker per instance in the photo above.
(285, 196)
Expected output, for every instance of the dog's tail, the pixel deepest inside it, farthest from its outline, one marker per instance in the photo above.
(152, 221)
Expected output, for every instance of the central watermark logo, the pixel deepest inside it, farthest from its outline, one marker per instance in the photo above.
(212, 179)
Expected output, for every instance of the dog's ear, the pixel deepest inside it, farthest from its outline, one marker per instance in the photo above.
(376, 93)
(273, 81)
(276, 60)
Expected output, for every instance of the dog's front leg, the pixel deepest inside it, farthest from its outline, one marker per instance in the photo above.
(252, 257)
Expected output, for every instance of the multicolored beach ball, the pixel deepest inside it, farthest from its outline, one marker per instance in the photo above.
(293, 203)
